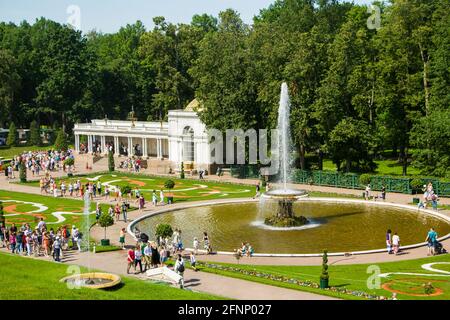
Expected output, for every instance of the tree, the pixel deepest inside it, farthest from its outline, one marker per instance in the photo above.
(9, 85)
(22, 171)
(430, 138)
(182, 175)
(35, 135)
(169, 184)
(324, 276)
(12, 139)
(2, 216)
(163, 230)
(61, 142)
(111, 165)
(350, 142)
(105, 221)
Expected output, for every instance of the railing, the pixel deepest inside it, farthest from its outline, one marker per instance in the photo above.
(348, 180)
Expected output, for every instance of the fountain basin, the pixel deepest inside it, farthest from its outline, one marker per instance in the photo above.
(93, 280)
(285, 194)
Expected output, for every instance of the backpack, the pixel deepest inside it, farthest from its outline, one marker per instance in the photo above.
(181, 268)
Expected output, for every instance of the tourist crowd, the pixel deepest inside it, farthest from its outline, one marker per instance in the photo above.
(40, 162)
(40, 241)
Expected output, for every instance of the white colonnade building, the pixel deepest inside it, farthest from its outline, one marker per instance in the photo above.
(183, 138)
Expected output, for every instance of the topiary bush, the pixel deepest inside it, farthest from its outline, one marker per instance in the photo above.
(12, 139)
(69, 162)
(182, 175)
(169, 184)
(2, 216)
(324, 276)
(125, 189)
(163, 230)
(105, 221)
(110, 161)
(22, 172)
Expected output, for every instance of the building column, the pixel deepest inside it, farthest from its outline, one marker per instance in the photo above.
(77, 143)
(130, 147)
(144, 147)
(116, 146)
(103, 144)
(158, 148)
(89, 144)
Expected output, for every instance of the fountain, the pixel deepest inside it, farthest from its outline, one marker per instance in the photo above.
(92, 280)
(284, 216)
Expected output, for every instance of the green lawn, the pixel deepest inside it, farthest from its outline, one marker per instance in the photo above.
(353, 277)
(10, 152)
(185, 189)
(21, 208)
(385, 167)
(28, 279)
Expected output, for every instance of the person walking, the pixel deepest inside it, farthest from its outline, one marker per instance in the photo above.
(138, 258)
(117, 211)
(383, 193)
(389, 241)
(154, 198)
(122, 238)
(130, 260)
(57, 249)
(193, 261)
(258, 192)
(124, 209)
(431, 241)
(396, 243)
(161, 197)
(179, 268)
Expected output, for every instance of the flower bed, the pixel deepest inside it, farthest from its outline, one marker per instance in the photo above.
(283, 279)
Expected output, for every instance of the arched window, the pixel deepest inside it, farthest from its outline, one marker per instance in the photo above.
(188, 144)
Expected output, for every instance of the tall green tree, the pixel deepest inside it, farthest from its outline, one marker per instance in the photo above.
(12, 139)
(9, 86)
(35, 135)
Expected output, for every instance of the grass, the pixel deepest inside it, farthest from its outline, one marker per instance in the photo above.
(100, 249)
(31, 279)
(353, 277)
(185, 189)
(10, 152)
(384, 167)
(18, 213)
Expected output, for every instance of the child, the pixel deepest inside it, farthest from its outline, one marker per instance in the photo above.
(196, 245)
(193, 261)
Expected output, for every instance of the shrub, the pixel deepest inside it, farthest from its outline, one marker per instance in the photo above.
(169, 184)
(2, 216)
(69, 162)
(61, 141)
(416, 185)
(105, 221)
(324, 275)
(163, 230)
(364, 179)
(110, 161)
(22, 172)
(12, 135)
(125, 189)
(182, 171)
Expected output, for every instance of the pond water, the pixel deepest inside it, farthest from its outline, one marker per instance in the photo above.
(337, 227)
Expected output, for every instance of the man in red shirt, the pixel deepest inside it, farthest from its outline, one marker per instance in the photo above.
(130, 260)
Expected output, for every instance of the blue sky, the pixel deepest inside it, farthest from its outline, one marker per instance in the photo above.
(109, 15)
